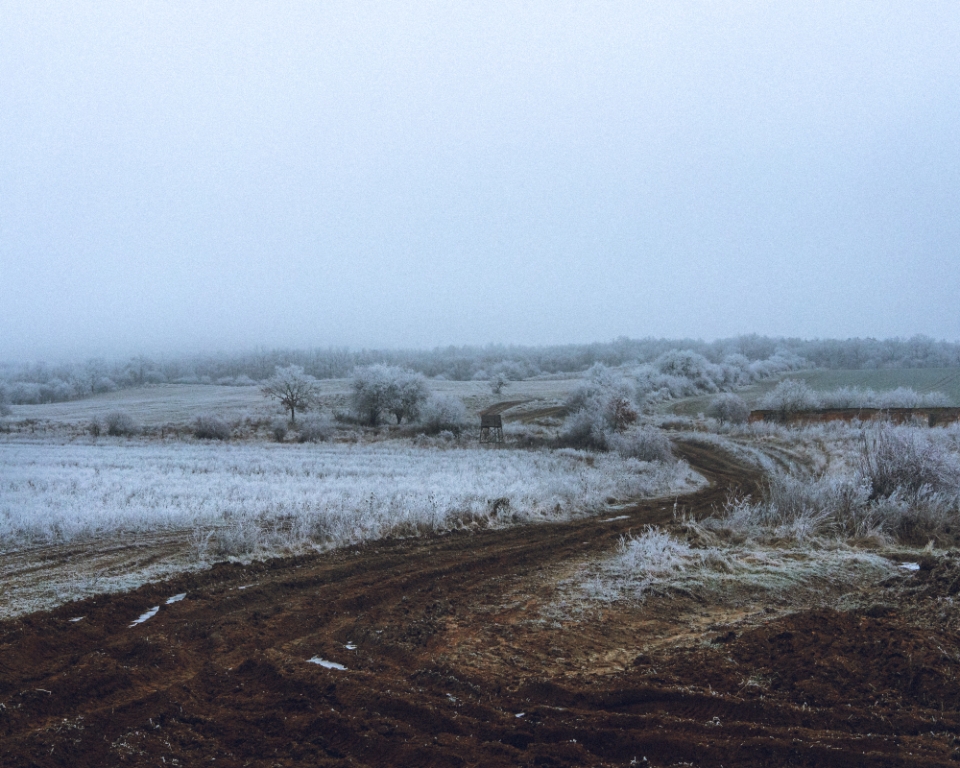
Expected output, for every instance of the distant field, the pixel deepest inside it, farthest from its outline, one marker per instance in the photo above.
(923, 380)
(180, 404)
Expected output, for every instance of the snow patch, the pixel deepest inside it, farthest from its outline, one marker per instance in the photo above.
(78, 618)
(350, 647)
(176, 598)
(146, 615)
(326, 664)
(910, 566)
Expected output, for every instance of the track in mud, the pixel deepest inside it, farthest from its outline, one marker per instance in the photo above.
(447, 661)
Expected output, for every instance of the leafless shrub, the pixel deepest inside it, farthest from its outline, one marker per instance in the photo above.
(314, 428)
(646, 444)
(443, 413)
(200, 543)
(790, 396)
(906, 489)
(279, 429)
(241, 537)
(602, 407)
(653, 561)
(728, 408)
(901, 397)
(209, 427)
(904, 460)
(585, 429)
(653, 551)
(120, 424)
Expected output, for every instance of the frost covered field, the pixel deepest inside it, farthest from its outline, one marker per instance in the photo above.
(241, 498)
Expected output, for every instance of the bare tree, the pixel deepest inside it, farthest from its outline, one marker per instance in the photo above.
(497, 382)
(294, 389)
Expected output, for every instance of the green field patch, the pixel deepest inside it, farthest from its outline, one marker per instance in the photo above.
(923, 380)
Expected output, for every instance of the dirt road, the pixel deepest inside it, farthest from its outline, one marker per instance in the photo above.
(453, 650)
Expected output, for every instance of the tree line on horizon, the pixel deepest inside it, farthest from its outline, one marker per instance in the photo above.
(30, 383)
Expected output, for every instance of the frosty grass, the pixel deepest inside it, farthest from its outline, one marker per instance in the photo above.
(55, 492)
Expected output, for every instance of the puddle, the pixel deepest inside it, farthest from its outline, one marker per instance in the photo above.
(176, 598)
(146, 615)
(326, 664)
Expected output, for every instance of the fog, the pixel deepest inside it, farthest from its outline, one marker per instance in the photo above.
(182, 176)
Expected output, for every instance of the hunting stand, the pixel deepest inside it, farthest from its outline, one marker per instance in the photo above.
(491, 428)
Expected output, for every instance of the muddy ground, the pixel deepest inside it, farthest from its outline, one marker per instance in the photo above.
(460, 650)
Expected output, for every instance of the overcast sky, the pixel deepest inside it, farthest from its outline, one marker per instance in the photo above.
(199, 176)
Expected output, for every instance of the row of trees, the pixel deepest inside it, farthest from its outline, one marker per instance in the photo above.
(40, 383)
(378, 391)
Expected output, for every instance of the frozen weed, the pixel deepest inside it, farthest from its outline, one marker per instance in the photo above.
(898, 484)
(658, 562)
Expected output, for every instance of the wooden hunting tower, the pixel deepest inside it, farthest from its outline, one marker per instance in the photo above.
(491, 428)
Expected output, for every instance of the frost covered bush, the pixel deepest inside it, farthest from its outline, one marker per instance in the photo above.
(603, 406)
(907, 397)
(652, 552)
(314, 428)
(606, 426)
(210, 427)
(120, 424)
(790, 396)
(278, 429)
(799, 509)
(905, 488)
(655, 560)
(379, 389)
(901, 397)
(601, 384)
(906, 460)
(644, 443)
(728, 408)
(443, 413)
(702, 375)
(586, 428)
(23, 393)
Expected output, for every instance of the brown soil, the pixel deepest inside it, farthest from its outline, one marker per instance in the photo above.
(458, 652)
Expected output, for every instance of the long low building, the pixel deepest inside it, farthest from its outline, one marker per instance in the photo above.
(931, 417)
